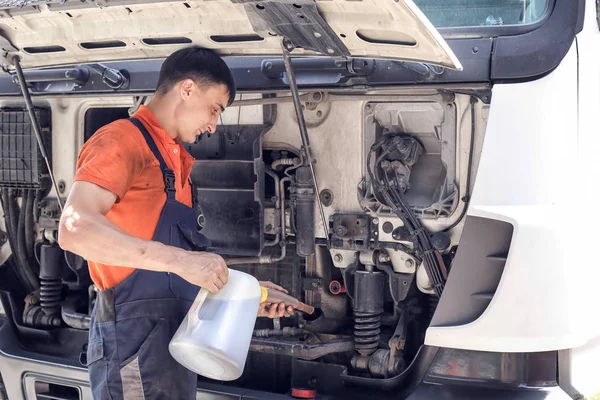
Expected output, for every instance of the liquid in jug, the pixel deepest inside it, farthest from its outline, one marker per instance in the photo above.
(214, 338)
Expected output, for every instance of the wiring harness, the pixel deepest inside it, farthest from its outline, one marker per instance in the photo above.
(390, 179)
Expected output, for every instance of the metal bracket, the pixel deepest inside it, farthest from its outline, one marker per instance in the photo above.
(485, 95)
(137, 102)
(399, 283)
(297, 20)
(7, 47)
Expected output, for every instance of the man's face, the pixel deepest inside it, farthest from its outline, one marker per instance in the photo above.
(200, 109)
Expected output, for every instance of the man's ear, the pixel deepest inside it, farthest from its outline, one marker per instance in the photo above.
(187, 86)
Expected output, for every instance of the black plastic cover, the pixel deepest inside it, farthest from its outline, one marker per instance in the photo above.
(229, 176)
(475, 271)
(21, 162)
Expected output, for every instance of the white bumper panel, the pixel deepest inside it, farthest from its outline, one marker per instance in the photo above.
(532, 175)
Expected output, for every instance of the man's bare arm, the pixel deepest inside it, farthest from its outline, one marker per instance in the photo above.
(85, 230)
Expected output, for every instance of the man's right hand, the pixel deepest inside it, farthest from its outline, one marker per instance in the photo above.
(207, 270)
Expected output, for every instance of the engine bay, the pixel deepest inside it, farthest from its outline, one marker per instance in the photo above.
(370, 249)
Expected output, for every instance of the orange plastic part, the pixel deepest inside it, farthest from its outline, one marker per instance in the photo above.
(304, 393)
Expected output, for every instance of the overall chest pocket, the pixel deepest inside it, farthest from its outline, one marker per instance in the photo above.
(185, 235)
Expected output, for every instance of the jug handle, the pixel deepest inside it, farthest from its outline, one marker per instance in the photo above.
(195, 307)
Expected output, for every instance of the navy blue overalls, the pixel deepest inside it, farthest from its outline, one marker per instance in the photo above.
(133, 322)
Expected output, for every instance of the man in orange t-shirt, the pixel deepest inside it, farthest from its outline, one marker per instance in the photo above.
(132, 214)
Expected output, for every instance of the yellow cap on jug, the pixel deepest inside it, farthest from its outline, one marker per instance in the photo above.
(264, 293)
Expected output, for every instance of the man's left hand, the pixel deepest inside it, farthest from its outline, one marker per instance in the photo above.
(272, 310)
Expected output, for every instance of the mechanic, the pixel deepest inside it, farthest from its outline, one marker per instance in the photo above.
(131, 213)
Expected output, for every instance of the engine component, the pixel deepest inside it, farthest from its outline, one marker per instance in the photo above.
(34, 316)
(441, 241)
(368, 307)
(351, 231)
(287, 47)
(49, 216)
(72, 318)
(284, 161)
(405, 152)
(336, 288)
(303, 196)
(391, 187)
(433, 192)
(286, 331)
(402, 262)
(399, 283)
(331, 311)
(423, 282)
(16, 238)
(301, 350)
(395, 363)
(326, 197)
(277, 212)
(381, 364)
(50, 278)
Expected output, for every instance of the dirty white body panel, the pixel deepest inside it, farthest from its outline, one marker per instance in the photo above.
(537, 166)
(202, 22)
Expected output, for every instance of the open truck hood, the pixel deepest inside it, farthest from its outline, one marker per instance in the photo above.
(49, 33)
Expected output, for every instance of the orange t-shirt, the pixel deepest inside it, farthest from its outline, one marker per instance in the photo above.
(118, 159)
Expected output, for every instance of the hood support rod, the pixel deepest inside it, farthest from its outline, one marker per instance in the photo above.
(35, 124)
(287, 47)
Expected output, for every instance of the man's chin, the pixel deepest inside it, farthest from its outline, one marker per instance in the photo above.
(190, 140)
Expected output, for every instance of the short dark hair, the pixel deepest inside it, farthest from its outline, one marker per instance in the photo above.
(203, 66)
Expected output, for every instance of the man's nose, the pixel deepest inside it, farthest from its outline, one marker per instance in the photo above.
(212, 125)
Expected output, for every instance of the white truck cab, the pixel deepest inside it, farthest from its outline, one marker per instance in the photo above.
(413, 169)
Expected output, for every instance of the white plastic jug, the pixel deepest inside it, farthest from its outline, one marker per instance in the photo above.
(214, 338)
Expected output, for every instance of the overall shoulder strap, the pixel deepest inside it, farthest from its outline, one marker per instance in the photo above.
(194, 190)
(168, 174)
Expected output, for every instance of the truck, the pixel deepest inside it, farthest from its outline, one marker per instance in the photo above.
(409, 168)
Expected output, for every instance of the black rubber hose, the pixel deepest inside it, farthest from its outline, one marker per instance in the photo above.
(11, 219)
(11, 215)
(21, 250)
(9, 222)
(29, 226)
(74, 319)
(21, 245)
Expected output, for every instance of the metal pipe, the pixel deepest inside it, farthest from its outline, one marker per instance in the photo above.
(286, 331)
(277, 209)
(302, 350)
(287, 46)
(36, 126)
(284, 161)
(282, 215)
